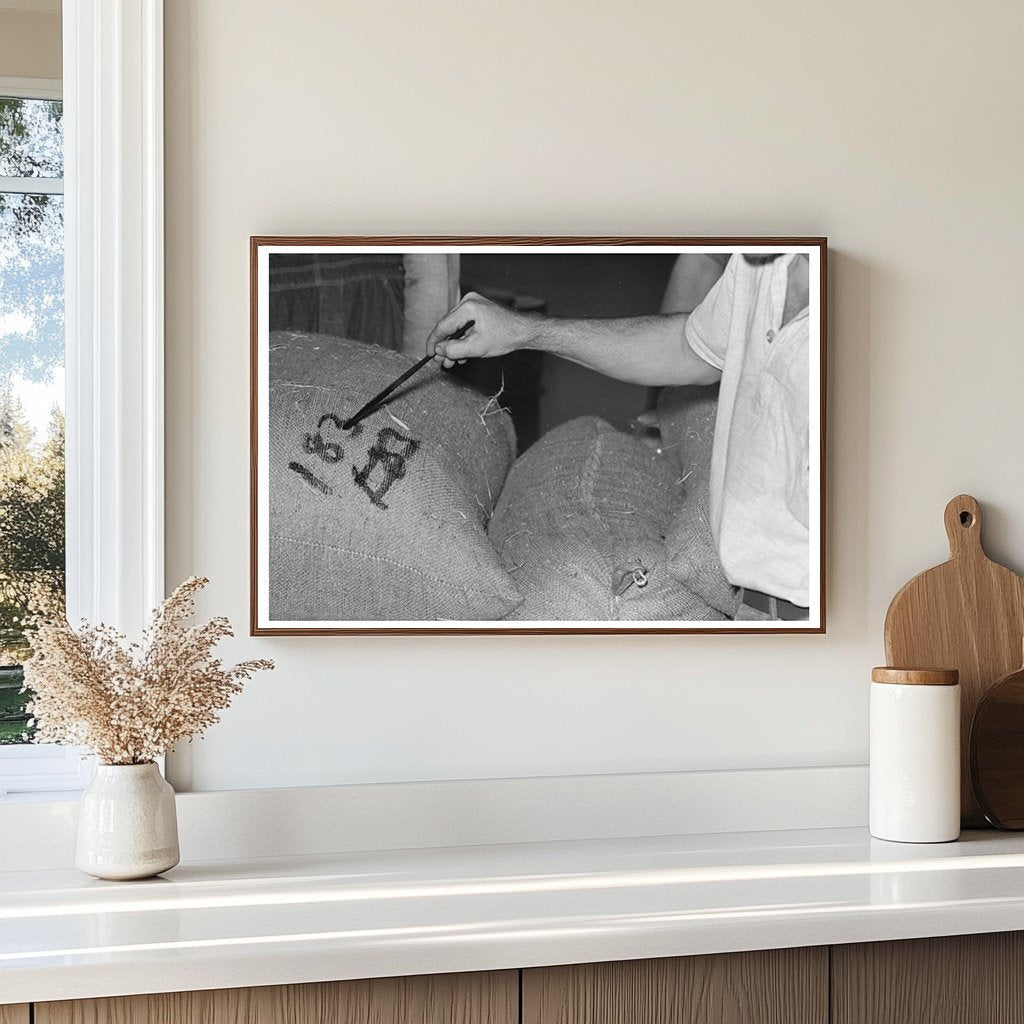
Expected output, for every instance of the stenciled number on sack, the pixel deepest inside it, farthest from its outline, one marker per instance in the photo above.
(391, 461)
(314, 444)
(386, 464)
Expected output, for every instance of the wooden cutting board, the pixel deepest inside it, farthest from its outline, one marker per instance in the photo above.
(967, 614)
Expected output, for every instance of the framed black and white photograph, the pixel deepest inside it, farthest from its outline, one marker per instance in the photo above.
(539, 435)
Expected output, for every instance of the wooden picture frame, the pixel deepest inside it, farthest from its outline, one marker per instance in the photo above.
(262, 248)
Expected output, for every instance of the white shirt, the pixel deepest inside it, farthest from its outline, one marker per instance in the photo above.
(760, 464)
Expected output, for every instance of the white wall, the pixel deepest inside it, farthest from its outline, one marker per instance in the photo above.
(30, 41)
(894, 129)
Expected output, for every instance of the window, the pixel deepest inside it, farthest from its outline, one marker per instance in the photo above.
(32, 530)
(31, 383)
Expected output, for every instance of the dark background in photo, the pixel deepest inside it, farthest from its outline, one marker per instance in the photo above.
(360, 297)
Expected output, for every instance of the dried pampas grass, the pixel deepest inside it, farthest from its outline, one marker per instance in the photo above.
(130, 703)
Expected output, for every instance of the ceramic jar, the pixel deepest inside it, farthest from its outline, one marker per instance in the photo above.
(127, 824)
(915, 755)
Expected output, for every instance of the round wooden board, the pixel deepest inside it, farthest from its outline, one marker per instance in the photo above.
(997, 752)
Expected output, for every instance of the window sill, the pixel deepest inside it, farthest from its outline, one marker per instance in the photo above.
(41, 797)
(31, 772)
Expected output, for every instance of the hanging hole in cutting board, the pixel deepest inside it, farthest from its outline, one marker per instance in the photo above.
(966, 518)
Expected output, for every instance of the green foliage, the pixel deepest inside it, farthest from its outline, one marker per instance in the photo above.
(31, 544)
(14, 727)
(31, 138)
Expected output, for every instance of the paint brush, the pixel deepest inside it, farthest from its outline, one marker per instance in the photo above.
(372, 405)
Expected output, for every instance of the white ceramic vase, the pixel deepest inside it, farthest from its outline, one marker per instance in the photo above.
(127, 825)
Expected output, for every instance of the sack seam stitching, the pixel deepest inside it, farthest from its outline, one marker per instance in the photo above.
(389, 561)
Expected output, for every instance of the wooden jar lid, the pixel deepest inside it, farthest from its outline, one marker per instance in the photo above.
(916, 676)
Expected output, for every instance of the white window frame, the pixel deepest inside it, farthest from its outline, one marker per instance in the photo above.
(114, 324)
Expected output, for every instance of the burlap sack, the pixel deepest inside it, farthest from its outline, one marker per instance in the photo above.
(386, 521)
(580, 526)
(686, 419)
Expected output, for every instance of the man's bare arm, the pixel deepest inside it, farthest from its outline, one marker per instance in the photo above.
(640, 350)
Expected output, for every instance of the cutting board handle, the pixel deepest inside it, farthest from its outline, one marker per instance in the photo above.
(963, 526)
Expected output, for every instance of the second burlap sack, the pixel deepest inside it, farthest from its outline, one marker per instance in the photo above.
(581, 524)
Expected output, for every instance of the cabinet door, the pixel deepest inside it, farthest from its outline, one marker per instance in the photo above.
(962, 979)
(14, 1014)
(490, 998)
(779, 986)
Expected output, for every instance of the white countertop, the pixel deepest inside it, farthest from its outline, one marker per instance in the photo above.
(353, 915)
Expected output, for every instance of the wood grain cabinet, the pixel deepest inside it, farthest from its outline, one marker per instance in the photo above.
(967, 979)
(778, 986)
(491, 998)
(962, 979)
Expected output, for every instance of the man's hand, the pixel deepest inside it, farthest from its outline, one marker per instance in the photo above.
(496, 331)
